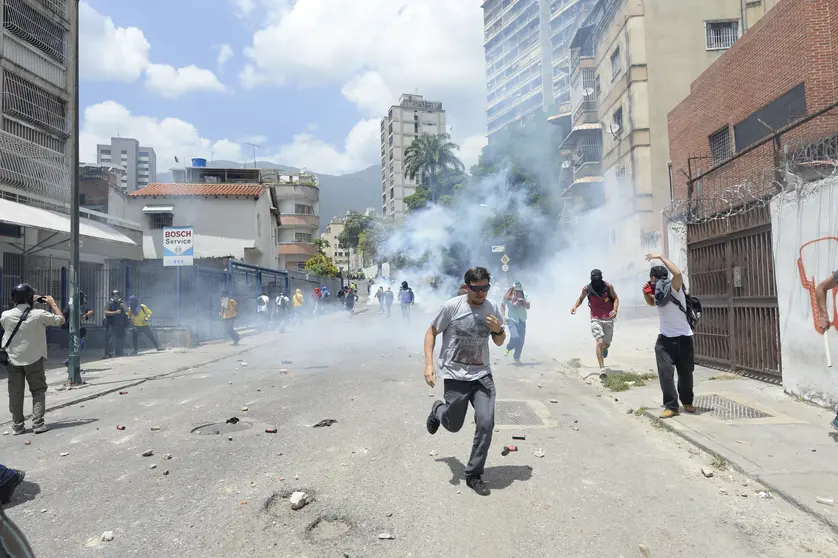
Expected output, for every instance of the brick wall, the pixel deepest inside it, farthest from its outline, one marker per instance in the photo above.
(797, 41)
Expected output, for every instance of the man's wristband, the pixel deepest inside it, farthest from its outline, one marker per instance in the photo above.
(501, 332)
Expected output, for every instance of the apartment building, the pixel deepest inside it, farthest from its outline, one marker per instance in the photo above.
(139, 163)
(404, 122)
(36, 58)
(632, 61)
(527, 59)
(342, 257)
(297, 199)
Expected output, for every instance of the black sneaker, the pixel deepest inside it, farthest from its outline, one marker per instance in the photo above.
(475, 482)
(8, 489)
(433, 422)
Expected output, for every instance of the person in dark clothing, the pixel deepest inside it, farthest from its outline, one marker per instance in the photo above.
(12, 540)
(349, 300)
(140, 314)
(406, 300)
(10, 479)
(115, 320)
(86, 313)
(674, 348)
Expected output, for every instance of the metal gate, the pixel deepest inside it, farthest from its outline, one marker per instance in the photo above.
(731, 270)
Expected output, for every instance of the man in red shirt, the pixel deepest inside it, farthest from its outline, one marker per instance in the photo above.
(604, 304)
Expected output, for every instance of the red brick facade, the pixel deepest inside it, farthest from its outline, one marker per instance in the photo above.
(795, 42)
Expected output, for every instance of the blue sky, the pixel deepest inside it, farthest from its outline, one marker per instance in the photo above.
(307, 80)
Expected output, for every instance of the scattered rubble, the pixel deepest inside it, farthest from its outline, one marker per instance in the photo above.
(538, 453)
(244, 363)
(826, 501)
(230, 438)
(386, 537)
(167, 456)
(147, 453)
(233, 420)
(155, 428)
(107, 536)
(6, 433)
(120, 427)
(166, 472)
(27, 443)
(554, 401)
(64, 454)
(298, 500)
(644, 550)
(123, 393)
(152, 466)
(325, 422)
(433, 453)
(765, 495)
(244, 409)
(283, 371)
(630, 411)
(519, 437)
(707, 472)
(270, 430)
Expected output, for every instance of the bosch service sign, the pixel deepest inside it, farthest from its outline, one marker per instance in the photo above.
(178, 247)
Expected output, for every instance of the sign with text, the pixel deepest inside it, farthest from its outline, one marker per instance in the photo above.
(498, 249)
(178, 246)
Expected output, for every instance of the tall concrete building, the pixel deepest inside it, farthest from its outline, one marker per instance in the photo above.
(527, 58)
(404, 122)
(140, 163)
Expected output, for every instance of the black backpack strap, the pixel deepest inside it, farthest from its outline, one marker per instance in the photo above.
(17, 327)
(678, 302)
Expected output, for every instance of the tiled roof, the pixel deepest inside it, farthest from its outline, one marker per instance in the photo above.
(247, 190)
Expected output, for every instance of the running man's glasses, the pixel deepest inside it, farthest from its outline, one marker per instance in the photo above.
(479, 288)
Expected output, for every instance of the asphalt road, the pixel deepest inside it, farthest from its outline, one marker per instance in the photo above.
(608, 482)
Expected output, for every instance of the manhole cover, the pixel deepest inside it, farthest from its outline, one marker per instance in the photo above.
(516, 413)
(723, 408)
(217, 428)
(328, 528)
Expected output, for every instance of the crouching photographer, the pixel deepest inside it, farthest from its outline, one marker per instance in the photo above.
(24, 352)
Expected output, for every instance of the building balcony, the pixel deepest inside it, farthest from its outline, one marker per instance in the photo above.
(296, 191)
(296, 249)
(587, 162)
(563, 114)
(581, 131)
(586, 113)
(294, 220)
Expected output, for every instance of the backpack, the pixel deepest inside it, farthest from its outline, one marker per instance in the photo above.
(406, 297)
(693, 309)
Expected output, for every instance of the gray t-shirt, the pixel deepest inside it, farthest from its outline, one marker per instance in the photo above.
(464, 354)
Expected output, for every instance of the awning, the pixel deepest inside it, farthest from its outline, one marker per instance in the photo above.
(159, 209)
(24, 215)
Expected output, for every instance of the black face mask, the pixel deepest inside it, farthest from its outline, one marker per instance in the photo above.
(598, 285)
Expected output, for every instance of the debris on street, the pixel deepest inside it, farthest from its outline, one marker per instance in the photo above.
(386, 537)
(166, 472)
(538, 453)
(765, 495)
(123, 393)
(147, 453)
(233, 420)
(707, 472)
(155, 428)
(120, 427)
(507, 449)
(107, 536)
(283, 371)
(270, 430)
(244, 409)
(64, 454)
(826, 501)
(152, 466)
(554, 401)
(433, 453)
(325, 422)
(27, 443)
(167, 456)
(519, 437)
(644, 550)
(298, 500)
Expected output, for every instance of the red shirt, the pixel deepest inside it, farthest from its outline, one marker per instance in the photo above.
(601, 306)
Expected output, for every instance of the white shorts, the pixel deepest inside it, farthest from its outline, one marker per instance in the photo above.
(603, 329)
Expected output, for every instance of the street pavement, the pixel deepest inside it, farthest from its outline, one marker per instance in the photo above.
(609, 483)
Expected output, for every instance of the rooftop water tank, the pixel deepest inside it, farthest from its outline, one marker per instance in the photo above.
(198, 162)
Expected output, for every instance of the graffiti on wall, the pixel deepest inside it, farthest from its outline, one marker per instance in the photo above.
(810, 284)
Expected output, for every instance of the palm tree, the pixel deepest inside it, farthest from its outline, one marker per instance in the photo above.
(429, 156)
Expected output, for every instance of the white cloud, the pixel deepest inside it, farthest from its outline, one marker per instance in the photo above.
(172, 83)
(244, 7)
(306, 151)
(470, 149)
(111, 53)
(225, 53)
(375, 51)
(108, 52)
(170, 137)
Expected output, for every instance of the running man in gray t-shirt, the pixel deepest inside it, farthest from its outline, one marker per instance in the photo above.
(466, 322)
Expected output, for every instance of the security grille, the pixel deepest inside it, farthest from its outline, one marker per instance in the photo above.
(33, 168)
(29, 102)
(57, 6)
(36, 29)
(721, 34)
(726, 409)
(31, 134)
(720, 145)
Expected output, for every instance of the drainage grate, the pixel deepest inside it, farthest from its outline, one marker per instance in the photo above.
(720, 407)
(516, 413)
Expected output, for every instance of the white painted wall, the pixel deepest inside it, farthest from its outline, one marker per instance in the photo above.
(797, 218)
(238, 227)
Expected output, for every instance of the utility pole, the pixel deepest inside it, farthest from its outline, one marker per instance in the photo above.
(74, 363)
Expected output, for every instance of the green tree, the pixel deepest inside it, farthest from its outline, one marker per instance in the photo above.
(429, 157)
(321, 244)
(322, 265)
(354, 226)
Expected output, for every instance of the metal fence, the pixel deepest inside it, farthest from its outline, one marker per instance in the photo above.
(177, 297)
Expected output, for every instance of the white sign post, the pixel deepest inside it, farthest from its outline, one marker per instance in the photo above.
(498, 249)
(178, 246)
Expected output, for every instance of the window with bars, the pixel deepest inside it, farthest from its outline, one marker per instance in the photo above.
(301, 209)
(32, 26)
(57, 6)
(28, 102)
(721, 34)
(720, 145)
(616, 64)
(160, 220)
(589, 79)
(35, 136)
(302, 237)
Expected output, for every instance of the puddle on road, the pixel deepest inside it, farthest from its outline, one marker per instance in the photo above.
(217, 428)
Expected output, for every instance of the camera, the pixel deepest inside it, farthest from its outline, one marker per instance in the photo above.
(41, 299)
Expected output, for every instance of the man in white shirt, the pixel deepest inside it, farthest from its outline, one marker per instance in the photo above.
(674, 348)
(263, 313)
(27, 352)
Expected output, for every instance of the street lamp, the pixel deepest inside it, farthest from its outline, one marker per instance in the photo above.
(73, 359)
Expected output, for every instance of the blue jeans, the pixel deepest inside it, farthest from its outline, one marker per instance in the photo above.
(517, 336)
(6, 474)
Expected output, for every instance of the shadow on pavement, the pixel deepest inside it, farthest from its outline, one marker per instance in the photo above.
(499, 477)
(25, 492)
(70, 423)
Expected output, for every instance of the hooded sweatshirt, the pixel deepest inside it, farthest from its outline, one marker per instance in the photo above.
(298, 298)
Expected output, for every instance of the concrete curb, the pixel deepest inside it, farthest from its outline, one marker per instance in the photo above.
(133, 383)
(790, 498)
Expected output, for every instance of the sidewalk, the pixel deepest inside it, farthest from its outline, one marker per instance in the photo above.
(786, 444)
